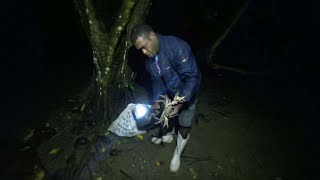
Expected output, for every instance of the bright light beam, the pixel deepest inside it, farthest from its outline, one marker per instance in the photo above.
(141, 110)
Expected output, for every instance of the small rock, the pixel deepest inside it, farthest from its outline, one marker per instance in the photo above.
(81, 142)
(114, 152)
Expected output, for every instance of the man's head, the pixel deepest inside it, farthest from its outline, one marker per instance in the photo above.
(143, 37)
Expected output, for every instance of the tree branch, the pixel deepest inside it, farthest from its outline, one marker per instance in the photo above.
(226, 32)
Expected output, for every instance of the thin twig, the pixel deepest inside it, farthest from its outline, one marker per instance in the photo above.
(125, 174)
(220, 113)
(226, 32)
(197, 159)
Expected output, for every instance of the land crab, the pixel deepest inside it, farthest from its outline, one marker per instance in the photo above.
(168, 105)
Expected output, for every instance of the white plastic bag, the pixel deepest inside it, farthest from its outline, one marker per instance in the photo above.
(125, 125)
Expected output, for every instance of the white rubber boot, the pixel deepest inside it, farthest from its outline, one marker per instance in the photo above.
(168, 138)
(156, 140)
(181, 143)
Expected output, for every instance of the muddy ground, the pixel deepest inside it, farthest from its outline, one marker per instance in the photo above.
(236, 135)
(241, 131)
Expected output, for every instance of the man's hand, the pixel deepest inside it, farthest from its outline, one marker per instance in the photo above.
(156, 106)
(176, 109)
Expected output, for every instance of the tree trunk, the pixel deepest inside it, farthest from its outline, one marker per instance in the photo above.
(67, 153)
(109, 50)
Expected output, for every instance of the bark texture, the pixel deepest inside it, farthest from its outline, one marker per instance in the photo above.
(69, 153)
(109, 49)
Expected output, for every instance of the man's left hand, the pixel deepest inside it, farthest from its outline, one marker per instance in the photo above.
(176, 109)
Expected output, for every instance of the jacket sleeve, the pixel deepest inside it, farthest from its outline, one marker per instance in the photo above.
(185, 64)
(158, 87)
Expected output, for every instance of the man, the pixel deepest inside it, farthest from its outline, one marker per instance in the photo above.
(173, 69)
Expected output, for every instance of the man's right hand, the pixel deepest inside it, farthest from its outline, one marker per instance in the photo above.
(156, 106)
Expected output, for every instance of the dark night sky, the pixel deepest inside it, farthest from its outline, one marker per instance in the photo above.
(37, 38)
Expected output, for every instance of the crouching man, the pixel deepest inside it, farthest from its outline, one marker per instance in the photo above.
(173, 69)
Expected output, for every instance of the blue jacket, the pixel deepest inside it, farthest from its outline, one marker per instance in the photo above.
(178, 69)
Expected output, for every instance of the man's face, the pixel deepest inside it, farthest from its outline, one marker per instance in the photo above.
(148, 44)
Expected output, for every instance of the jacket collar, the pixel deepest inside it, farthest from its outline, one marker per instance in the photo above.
(160, 42)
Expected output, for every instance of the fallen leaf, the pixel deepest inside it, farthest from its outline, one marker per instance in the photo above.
(157, 163)
(25, 148)
(140, 136)
(193, 173)
(54, 151)
(39, 175)
(82, 107)
(99, 178)
(29, 135)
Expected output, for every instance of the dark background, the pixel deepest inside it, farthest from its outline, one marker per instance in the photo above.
(45, 56)
(45, 59)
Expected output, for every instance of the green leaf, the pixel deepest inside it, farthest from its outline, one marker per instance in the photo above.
(131, 87)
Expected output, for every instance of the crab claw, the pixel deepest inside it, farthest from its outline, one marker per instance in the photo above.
(166, 120)
(156, 113)
(156, 118)
(158, 122)
(165, 124)
(164, 96)
(159, 101)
